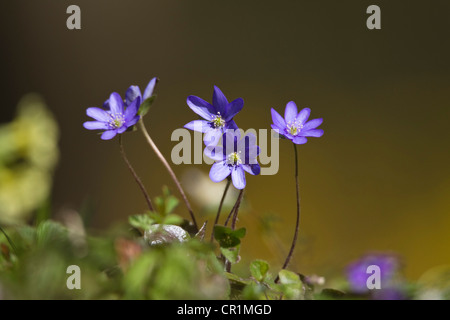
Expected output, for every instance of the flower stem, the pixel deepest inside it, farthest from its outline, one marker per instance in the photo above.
(169, 169)
(235, 208)
(297, 224)
(220, 207)
(135, 176)
(238, 204)
(9, 240)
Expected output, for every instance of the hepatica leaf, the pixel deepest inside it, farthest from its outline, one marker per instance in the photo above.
(258, 269)
(227, 237)
(231, 254)
(141, 221)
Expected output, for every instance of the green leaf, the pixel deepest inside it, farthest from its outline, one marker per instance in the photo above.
(258, 269)
(240, 233)
(173, 219)
(166, 203)
(253, 291)
(235, 278)
(227, 237)
(145, 106)
(51, 233)
(291, 284)
(289, 277)
(231, 254)
(141, 221)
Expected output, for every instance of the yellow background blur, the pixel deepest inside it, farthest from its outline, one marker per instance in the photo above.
(377, 180)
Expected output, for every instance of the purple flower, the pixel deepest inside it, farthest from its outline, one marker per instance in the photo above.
(234, 156)
(357, 274)
(218, 115)
(134, 92)
(295, 125)
(116, 119)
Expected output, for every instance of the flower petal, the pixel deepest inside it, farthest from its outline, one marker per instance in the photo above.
(108, 135)
(198, 125)
(303, 115)
(278, 120)
(233, 108)
(312, 133)
(95, 125)
(219, 171)
(98, 114)
(133, 121)
(253, 169)
(212, 137)
(290, 113)
(132, 93)
(238, 177)
(299, 140)
(214, 152)
(122, 129)
(148, 92)
(312, 124)
(231, 125)
(116, 103)
(246, 142)
(276, 129)
(201, 107)
(132, 109)
(220, 102)
(230, 140)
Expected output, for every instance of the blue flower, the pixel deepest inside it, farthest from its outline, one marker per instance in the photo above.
(218, 116)
(115, 119)
(234, 156)
(357, 274)
(295, 125)
(134, 92)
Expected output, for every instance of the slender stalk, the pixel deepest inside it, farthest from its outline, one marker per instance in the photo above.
(220, 207)
(135, 176)
(169, 169)
(297, 224)
(235, 207)
(235, 210)
(9, 240)
(238, 204)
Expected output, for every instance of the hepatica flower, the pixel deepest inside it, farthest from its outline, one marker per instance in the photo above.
(134, 92)
(218, 116)
(234, 157)
(114, 118)
(295, 125)
(357, 272)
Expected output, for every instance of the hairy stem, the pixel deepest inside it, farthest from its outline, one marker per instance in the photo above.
(297, 224)
(220, 207)
(135, 176)
(169, 169)
(235, 210)
(236, 205)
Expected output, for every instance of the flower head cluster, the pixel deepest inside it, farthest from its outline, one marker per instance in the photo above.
(234, 156)
(118, 115)
(295, 125)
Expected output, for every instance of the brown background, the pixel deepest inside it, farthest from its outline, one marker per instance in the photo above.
(377, 180)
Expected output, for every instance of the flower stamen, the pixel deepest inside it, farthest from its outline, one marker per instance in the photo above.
(234, 159)
(294, 127)
(217, 121)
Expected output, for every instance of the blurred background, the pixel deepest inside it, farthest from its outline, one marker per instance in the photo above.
(378, 180)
